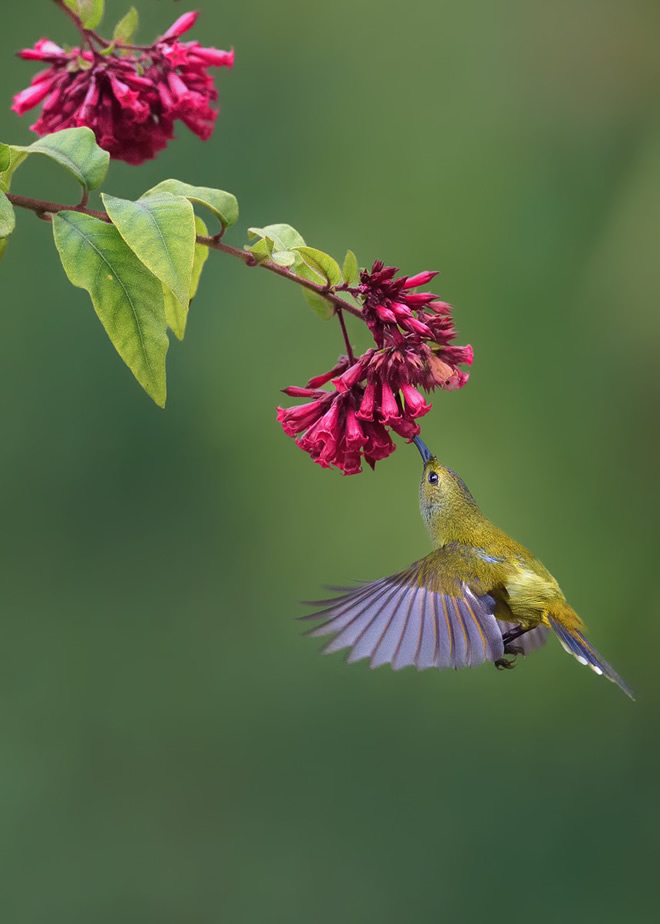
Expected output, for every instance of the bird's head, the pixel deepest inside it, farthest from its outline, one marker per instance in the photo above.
(444, 498)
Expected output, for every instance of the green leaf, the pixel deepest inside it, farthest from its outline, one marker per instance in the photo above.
(280, 242)
(175, 313)
(3, 246)
(15, 158)
(200, 258)
(160, 229)
(262, 250)
(7, 217)
(127, 298)
(284, 237)
(223, 205)
(89, 11)
(321, 262)
(76, 150)
(320, 305)
(350, 268)
(284, 258)
(126, 27)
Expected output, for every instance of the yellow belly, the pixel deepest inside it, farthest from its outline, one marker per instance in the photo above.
(532, 595)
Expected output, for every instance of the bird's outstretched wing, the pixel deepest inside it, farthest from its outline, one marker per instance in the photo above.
(400, 621)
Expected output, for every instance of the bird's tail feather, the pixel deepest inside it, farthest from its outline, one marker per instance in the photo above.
(576, 644)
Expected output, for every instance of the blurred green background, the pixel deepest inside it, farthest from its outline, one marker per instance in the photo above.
(172, 750)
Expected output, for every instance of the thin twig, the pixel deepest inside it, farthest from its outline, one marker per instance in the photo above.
(87, 34)
(41, 205)
(43, 208)
(283, 271)
(342, 323)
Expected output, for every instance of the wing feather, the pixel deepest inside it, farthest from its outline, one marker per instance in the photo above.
(389, 642)
(428, 643)
(445, 656)
(401, 622)
(371, 636)
(406, 651)
(355, 622)
(459, 631)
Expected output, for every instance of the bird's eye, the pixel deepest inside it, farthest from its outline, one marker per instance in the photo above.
(433, 477)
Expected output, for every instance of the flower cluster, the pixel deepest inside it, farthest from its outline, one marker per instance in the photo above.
(332, 432)
(413, 333)
(129, 96)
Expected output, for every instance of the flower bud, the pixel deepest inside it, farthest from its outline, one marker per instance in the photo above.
(182, 24)
(421, 279)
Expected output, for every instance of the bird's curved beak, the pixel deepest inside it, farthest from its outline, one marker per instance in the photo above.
(424, 450)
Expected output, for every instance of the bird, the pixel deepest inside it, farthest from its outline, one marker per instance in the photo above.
(478, 596)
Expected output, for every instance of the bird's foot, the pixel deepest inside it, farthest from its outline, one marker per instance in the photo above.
(514, 650)
(504, 664)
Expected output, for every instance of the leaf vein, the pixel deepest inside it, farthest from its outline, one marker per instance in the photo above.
(125, 290)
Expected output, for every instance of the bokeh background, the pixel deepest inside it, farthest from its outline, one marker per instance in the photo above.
(172, 750)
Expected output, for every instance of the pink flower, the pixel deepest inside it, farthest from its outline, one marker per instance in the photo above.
(389, 410)
(389, 307)
(131, 97)
(380, 391)
(415, 404)
(182, 24)
(329, 430)
(379, 443)
(42, 51)
(367, 409)
(411, 282)
(318, 380)
(296, 419)
(414, 333)
(32, 96)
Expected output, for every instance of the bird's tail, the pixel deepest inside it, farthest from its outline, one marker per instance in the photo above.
(574, 642)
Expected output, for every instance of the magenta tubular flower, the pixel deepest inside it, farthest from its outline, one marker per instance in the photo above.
(131, 97)
(295, 420)
(184, 23)
(388, 306)
(379, 443)
(380, 390)
(421, 279)
(390, 412)
(328, 428)
(416, 342)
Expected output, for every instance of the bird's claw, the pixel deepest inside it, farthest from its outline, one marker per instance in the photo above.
(504, 664)
(514, 650)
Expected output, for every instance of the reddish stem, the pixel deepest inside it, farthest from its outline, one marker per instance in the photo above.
(342, 323)
(87, 34)
(41, 205)
(43, 208)
(145, 48)
(249, 260)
